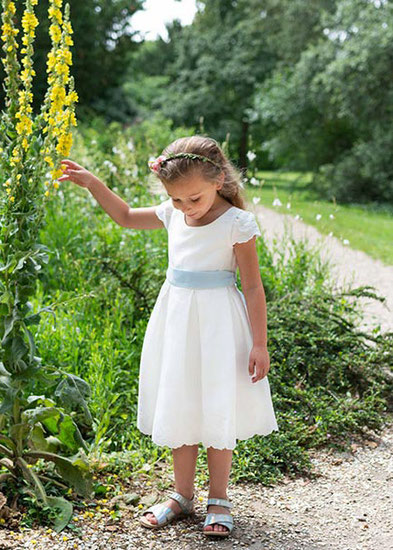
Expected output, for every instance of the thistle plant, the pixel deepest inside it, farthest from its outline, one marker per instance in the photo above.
(36, 425)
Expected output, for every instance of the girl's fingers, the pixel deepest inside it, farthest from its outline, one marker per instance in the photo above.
(70, 163)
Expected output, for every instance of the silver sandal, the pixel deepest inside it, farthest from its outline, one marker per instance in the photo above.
(165, 514)
(222, 519)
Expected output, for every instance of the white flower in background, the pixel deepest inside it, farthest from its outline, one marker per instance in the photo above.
(122, 243)
(345, 241)
(127, 172)
(277, 202)
(151, 158)
(115, 150)
(255, 200)
(331, 216)
(93, 141)
(130, 145)
(122, 155)
(254, 181)
(135, 171)
(136, 199)
(288, 205)
(297, 217)
(251, 156)
(111, 166)
(318, 217)
(330, 234)
(163, 197)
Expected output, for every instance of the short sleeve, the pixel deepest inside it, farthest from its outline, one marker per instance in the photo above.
(244, 227)
(164, 212)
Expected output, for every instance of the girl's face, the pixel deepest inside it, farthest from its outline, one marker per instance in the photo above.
(194, 196)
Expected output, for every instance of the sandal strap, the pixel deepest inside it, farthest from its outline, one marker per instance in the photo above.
(219, 502)
(223, 519)
(186, 504)
(163, 513)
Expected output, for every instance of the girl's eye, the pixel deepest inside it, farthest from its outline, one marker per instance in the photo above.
(195, 200)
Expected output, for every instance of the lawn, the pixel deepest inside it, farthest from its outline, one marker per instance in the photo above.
(363, 227)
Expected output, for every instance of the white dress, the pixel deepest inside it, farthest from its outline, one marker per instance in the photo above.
(194, 385)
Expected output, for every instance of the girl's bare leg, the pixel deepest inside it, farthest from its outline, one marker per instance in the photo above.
(184, 464)
(219, 462)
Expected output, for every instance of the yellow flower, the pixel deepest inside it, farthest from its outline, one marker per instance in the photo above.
(29, 21)
(55, 33)
(46, 193)
(56, 173)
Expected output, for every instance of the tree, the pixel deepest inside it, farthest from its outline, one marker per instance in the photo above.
(217, 62)
(333, 109)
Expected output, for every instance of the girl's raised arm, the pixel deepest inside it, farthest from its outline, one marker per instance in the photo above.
(114, 206)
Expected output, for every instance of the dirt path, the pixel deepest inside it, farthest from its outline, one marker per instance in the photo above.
(348, 266)
(347, 504)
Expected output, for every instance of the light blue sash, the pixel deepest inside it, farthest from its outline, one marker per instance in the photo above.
(200, 279)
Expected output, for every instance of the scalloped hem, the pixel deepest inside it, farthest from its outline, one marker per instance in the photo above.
(177, 444)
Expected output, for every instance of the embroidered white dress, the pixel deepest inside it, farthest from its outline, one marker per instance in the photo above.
(194, 385)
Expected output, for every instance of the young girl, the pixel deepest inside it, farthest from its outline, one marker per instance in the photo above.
(204, 361)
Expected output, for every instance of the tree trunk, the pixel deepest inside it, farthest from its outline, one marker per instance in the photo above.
(243, 146)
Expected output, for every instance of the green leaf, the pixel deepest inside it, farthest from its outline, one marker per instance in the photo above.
(74, 391)
(41, 400)
(9, 442)
(19, 433)
(48, 415)
(34, 319)
(5, 382)
(6, 297)
(65, 512)
(37, 437)
(75, 472)
(30, 340)
(8, 401)
(33, 479)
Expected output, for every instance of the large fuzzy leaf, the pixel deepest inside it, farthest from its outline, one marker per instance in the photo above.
(74, 471)
(65, 512)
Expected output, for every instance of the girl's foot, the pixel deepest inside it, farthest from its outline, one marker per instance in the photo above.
(214, 509)
(172, 503)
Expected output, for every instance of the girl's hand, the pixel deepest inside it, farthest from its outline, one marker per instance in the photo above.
(76, 173)
(260, 357)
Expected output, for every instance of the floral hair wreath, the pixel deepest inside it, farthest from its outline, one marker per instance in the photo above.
(156, 163)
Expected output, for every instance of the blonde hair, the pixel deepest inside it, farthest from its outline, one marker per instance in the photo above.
(177, 168)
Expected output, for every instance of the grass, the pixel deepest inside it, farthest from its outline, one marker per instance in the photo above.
(366, 227)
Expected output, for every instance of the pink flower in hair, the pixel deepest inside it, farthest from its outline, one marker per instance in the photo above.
(155, 164)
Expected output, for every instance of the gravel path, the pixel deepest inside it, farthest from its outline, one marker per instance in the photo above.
(349, 267)
(345, 504)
